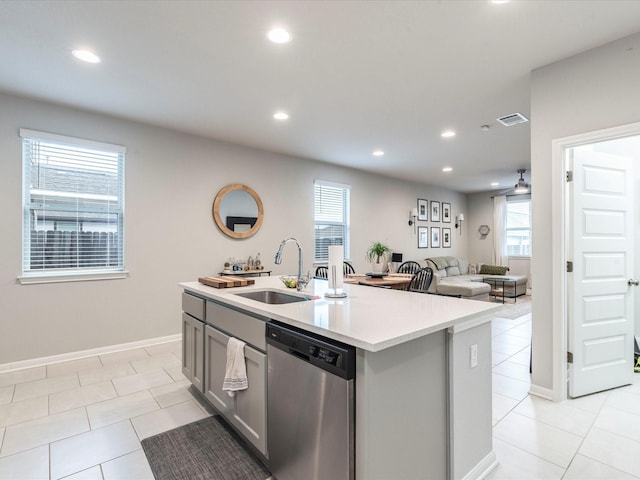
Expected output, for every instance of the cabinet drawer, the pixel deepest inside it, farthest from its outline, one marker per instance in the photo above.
(193, 305)
(237, 324)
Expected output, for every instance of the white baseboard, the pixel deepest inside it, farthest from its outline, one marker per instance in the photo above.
(542, 392)
(65, 357)
(482, 469)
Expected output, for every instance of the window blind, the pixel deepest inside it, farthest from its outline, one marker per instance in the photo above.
(73, 205)
(331, 218)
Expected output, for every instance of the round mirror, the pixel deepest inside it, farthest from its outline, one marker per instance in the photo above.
(237, 211)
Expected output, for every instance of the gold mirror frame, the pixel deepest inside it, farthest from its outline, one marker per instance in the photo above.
(222, 224)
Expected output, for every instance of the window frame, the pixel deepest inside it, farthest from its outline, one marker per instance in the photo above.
(75, 273)
(345, 224)
(519, 199)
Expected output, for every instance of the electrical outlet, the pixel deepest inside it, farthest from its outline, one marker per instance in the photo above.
(473, 356)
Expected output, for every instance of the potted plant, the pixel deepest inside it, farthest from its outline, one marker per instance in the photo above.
(227, 267)
(376, 254)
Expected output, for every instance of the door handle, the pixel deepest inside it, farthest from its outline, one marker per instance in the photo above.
(633, 282)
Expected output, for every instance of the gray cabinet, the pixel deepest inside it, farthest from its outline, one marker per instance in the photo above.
(247, 409)
(193, 340)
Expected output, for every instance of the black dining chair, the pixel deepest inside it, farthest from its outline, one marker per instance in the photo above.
(409, 267)
(421, 280)
(322, 272)
(347, 268)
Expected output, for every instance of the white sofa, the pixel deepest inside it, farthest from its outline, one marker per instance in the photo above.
(451, 276)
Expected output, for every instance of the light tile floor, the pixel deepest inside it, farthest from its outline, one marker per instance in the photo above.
(84, 419)
(593, 437)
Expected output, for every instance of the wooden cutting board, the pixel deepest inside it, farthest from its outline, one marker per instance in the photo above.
(226, 282)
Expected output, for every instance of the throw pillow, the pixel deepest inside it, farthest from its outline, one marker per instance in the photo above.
(472, 269)
(453, 271)
(493, 270)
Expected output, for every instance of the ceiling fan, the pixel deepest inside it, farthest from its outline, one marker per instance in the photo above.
(519, 188)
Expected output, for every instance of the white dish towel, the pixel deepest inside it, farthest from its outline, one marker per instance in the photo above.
(235, 377)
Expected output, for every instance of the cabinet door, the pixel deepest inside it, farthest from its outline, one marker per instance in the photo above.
(193, 350)
(215, 355)
(247, 409)
(249, 412)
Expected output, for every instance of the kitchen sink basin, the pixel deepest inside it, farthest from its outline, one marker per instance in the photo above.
(273, 297)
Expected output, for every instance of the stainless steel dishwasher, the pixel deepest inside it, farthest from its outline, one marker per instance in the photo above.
(310, 405)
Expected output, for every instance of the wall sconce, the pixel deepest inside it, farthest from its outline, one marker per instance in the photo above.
(412, 218)
(459, 220)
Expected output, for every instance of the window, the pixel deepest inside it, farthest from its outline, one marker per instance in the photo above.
(73, 207)
(519, 227)
(331, 218)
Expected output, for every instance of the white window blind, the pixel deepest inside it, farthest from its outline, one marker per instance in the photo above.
(73, 205)
(331, 218)
(518, 229)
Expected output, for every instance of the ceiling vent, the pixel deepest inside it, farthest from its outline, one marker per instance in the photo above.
(513, 119)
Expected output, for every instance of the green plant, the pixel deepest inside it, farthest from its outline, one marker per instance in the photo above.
(376, 251)
(227, 264)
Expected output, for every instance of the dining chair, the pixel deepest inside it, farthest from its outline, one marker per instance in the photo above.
(421, 280)
(409, 267)
(347, 268)
(322, 272)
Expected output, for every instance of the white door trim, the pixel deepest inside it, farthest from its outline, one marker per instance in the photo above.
(559, 244)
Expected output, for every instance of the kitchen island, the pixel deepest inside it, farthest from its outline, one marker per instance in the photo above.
(423, 373)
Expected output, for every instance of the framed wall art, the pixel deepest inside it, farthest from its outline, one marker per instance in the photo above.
(446, 238)
(423, 210)
(435, 237)
(446, 212)
(423, 237)
(435, 211)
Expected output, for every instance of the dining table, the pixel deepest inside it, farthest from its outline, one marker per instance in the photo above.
(397, 281)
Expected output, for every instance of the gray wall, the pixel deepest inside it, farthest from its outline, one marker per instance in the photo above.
(171, 181)
(595, 90)
(480, 208)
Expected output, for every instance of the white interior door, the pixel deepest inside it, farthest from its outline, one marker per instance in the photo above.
(600, 300)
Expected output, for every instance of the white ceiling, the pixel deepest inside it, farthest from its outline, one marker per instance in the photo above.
(357, 75)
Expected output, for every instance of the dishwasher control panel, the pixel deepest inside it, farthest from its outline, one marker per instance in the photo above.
(335, 357)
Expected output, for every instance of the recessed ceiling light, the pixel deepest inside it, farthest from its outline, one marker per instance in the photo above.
(86, 56)
(498, 2)
(448, 133)
(281, 116)
(447, 169)
(279, 35)
(378, 153)
(495, 184)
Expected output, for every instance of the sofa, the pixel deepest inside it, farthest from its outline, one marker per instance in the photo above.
(454, 277)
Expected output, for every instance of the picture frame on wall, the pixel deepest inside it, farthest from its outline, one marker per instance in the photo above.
(446, 212)
(423, 209)
(435, 237)
(423, 237)
(435, 211)
(446, 238)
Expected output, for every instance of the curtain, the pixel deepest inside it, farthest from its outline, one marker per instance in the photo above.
(500, 256)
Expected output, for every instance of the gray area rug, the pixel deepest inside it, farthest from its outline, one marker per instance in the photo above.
(206, 449)
(514, 310)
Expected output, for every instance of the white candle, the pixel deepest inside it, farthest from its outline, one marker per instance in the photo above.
(336, 259)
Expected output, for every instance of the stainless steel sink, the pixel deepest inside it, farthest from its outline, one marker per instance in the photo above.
(273, 297)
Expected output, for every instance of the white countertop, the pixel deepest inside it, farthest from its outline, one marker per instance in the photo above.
(368, 318)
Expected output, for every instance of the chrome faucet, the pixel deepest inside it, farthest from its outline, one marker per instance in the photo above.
(299, 283)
